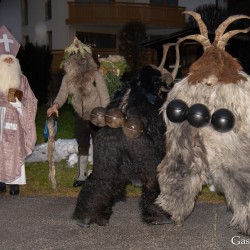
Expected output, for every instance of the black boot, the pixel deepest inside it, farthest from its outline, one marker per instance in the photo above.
(77, 183)
(14, 189)
(2, 187)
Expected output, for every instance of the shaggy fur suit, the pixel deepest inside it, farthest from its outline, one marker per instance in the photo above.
(196, 156)
(118, 160)
(190, 156)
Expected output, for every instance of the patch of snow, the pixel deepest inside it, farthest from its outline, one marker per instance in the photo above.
(65, 149)
(212, 188)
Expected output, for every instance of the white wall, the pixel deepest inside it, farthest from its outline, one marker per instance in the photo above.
(61, 37)
(38, 26)
(10, 16)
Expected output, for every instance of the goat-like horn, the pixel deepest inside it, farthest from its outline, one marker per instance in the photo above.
(177, 63)
(163, 89)
(201, 24)
(164, 56)
(223, 42)
(223, 26)
(199, 38)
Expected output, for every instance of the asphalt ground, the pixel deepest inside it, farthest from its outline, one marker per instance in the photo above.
(45, 223)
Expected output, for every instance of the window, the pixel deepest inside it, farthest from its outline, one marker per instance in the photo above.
(157, 1)
(96, 1)
(101, 41)
(26, 39)
(48, 10)
(49, 39)
(25, 20)
(171, 3)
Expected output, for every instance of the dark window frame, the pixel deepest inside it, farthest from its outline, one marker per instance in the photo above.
(98, 40)
(48, 10)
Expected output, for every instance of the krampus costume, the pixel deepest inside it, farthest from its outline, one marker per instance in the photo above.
(208, 131)
(86, 89)
(123, 154)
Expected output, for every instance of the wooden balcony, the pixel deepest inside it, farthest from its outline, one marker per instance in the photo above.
(121, 13)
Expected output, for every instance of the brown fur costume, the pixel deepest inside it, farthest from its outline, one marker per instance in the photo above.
(196, 156)
(87, 89)
(80, 69)
(84, 84)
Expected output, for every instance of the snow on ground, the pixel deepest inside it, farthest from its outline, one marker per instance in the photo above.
(64, 149)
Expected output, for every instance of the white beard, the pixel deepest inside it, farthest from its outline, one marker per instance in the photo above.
(9, 74)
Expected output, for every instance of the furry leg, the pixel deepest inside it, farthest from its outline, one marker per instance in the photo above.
(150, 212)
(97, 197)
(94, 203)
(179, 185)
(234, 182)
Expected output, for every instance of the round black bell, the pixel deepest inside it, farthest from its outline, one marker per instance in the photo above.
(223, 120)
(198, 115)
(177, 111)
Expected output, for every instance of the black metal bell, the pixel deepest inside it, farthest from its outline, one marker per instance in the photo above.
(177, 111)
(223, 120)
(198, 115)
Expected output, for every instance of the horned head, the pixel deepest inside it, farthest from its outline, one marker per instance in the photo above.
(215, 65)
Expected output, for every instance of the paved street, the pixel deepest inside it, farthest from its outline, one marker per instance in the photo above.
(45, 223)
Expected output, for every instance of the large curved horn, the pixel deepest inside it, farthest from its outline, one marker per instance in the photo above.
(166, 75)
(223, 42)
(164, 56)
(177, 63)
(199, 38)
(201, 24)
(223, 26)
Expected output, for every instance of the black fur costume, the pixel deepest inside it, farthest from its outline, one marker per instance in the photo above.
(118, 159)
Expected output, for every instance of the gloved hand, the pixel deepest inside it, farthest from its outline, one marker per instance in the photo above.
(18, 106)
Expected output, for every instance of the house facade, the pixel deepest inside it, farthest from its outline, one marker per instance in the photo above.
(55, 22)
